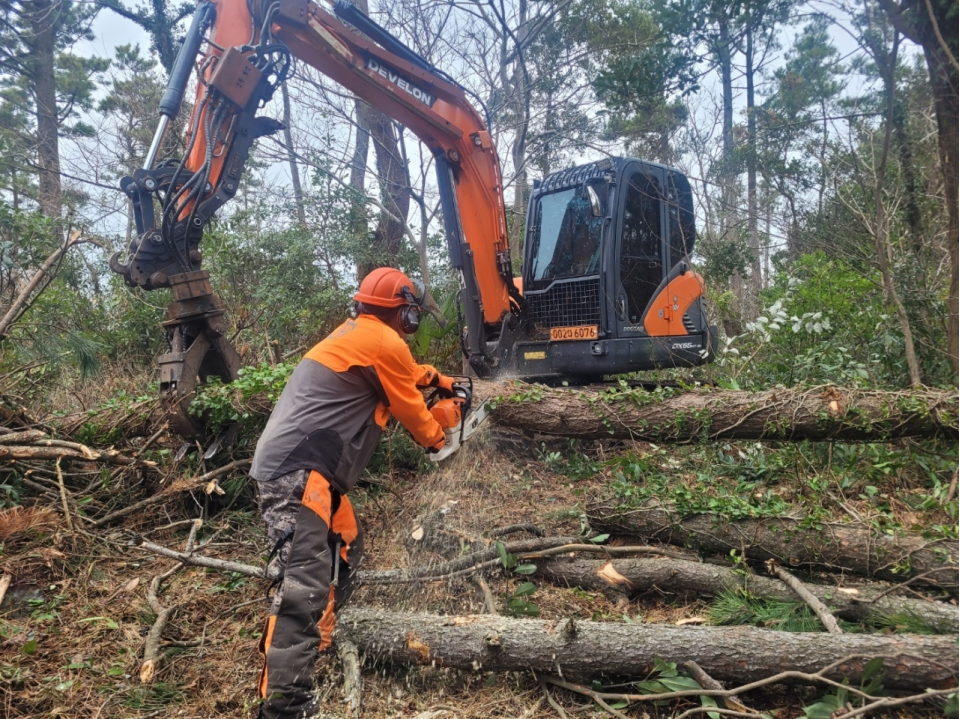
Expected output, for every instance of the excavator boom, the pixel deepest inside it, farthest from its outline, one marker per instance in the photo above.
(600, 238)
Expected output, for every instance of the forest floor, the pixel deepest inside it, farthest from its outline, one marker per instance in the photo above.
(74, 620)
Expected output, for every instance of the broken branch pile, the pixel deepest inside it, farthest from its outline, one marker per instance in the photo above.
(34, 444)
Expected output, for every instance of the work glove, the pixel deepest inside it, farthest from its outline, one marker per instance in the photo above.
(438, 446)
(445, 385)
(441, 382)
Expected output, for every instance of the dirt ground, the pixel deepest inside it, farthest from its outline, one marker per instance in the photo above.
(74, 621)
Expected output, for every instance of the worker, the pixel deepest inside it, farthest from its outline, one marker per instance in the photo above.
(318, 440)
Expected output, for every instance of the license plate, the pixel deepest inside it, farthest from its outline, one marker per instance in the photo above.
(583, 332)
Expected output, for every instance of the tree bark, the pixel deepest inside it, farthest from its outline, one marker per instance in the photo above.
(358, 174)
(881, 228)
(824, 413)
(928, 23)
(724, 53)
(821, 413)
(391, 174)
(729, 215)
(44, 18)
(632, 577)
(944, 83)
(583, 649)
(394, 185)
(292, 159)
(521, 107)
(835, 547)
(756, 276)
(943, 79)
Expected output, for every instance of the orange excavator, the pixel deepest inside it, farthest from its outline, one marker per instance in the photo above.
(605, 289)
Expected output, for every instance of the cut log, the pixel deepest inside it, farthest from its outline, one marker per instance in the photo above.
(823, 413)
(584, 649)
(635, 576)
(667, 415)
(837, 547)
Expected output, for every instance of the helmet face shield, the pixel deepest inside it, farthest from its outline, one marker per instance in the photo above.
(424, 301)
(417, 295)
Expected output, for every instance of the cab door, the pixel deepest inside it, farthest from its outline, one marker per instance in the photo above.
(641, 255)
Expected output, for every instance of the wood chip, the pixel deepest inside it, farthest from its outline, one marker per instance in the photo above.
(213, 486)
(4, 585)
(611, 575)
(147, 672)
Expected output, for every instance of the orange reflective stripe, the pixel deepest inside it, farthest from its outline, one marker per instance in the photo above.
(345, 524)
(316, 496)
(266, 639)
(327, 623)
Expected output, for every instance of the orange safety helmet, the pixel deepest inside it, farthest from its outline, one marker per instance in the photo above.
(389, 287)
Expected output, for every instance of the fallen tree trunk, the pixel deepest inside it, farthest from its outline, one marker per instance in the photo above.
(666, 415)
(822, 413)
(583, 649)
(629, 577)
(837, 547)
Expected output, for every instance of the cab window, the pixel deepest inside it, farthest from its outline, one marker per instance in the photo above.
(566, 239)
(641, 251)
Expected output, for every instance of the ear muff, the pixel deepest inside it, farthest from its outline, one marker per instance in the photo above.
(410, 315)
(410, 319)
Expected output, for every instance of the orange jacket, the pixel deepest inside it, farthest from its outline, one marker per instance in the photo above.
(338, 400)
(368, 342)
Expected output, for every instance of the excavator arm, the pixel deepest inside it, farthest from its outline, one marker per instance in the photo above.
(240, 52)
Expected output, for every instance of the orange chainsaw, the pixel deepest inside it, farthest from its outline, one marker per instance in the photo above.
(454, 412)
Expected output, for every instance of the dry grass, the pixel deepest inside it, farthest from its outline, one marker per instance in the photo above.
(74, 596)
(21, 520)
(72, 628)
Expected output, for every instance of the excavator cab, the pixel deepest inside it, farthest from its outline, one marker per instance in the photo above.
(607, 287)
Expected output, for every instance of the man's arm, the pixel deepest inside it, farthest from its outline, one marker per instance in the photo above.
(430, 377)
(400, 376)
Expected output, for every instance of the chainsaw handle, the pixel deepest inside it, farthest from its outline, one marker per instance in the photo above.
(462, 390)
(465, 393)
